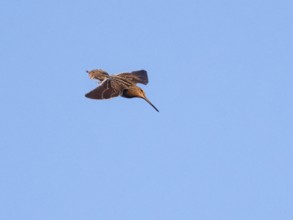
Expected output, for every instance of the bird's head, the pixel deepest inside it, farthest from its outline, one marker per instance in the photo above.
(135, 91)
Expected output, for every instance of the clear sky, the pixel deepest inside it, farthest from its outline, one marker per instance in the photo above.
(221, 74)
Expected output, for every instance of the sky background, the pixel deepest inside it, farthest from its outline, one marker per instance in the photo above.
(221, 74)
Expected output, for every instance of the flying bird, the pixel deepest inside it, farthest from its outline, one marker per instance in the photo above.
(123, 84)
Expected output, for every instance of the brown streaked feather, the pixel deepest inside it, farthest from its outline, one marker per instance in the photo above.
(107, 90)
(139, 76)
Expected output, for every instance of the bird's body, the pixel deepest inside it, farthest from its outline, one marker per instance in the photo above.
(123, 84)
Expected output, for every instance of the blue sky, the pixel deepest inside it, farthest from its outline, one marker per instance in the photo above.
(220, 72)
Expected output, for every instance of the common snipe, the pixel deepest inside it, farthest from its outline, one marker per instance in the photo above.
(123, 84)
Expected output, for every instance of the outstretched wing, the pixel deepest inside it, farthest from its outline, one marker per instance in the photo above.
(139, 76)
(107, 90)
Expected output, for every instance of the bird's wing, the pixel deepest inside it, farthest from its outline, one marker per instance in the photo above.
(107, 90)
(139, 76)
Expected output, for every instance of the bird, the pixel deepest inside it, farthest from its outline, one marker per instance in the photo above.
(122, 84)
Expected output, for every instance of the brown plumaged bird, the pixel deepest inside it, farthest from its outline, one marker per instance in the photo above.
(123, 84)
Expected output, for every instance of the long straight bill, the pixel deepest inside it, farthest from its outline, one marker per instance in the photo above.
(151, 104)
